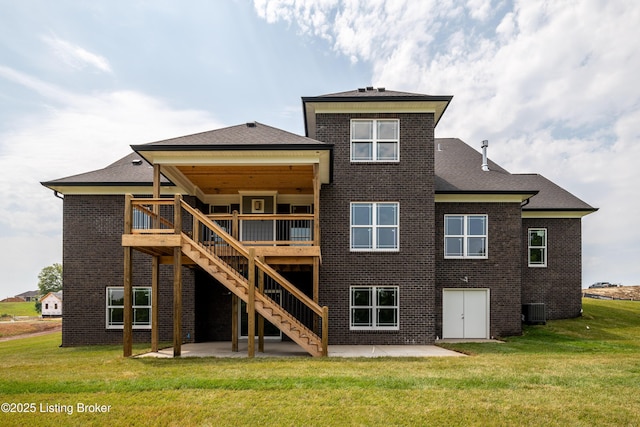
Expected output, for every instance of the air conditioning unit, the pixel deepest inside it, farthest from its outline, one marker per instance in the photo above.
(534, 313)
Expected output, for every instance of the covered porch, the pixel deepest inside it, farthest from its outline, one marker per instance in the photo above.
(254, 213)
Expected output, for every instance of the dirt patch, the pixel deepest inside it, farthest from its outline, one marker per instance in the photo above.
(10, 330)
(621, 292)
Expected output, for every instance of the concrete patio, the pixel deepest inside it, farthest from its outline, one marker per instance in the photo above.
(290, 349)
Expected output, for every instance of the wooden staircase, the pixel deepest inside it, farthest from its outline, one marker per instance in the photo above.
(265, 306)
(226, 259)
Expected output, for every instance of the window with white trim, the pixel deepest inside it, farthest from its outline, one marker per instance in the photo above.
(374, 307)
(465, 236)
(375, 140)
(537, 247)
(141, 307)
(374, 226)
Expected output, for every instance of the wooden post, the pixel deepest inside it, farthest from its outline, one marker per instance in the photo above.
(316, 204)
(251, 305)
(316, 288)
(177, 279)
(325, 330)
(128, 214)
(127, 329)
(260, 318)
(177, 214)
(155, 275)
(177, 301)
(156, 181)
(235, 302)
(235, 230)
(156, 195)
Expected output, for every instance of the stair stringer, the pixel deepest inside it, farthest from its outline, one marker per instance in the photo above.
(239, 285)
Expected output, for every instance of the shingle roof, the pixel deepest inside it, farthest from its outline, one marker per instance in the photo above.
(370, 91)
(130, 170)
(551, 196)
(458, 170)
(251, 134)
(457, 166)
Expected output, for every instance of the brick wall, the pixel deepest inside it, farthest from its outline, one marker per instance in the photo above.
(93, 260)
(409, 182)
(559, 284)
(500, 273)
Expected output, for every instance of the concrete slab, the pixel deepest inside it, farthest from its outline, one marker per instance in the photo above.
(290, 349)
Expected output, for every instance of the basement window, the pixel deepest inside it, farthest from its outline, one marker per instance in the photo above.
(374, 308)
(141, 307)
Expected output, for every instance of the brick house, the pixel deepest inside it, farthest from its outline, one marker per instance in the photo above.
(367, 230)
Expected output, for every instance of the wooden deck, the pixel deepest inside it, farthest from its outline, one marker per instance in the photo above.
(175, 233)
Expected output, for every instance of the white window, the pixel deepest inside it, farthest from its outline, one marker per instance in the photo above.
(465, 236)
(141, 307)
(374, 307)
(537, 247)
(375, 140)
(374, 226)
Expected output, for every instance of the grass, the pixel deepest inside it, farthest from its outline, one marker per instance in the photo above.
(559, 374)
(18, 309)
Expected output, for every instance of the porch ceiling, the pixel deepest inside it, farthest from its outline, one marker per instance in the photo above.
(228, 179)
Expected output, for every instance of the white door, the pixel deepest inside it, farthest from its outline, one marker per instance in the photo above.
(465, 313)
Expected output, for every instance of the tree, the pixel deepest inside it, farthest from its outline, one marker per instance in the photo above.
(50, 279)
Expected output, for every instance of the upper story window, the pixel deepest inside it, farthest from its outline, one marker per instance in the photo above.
(375, 140)
(374, 226)
(465, 236)
(537, 247)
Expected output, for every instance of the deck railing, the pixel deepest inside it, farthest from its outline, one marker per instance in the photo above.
(269, 229)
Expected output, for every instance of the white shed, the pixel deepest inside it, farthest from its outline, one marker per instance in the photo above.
(52, 304)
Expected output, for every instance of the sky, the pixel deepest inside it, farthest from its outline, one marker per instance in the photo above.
(553, 85)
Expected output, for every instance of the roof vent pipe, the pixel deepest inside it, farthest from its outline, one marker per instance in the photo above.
(485, 163)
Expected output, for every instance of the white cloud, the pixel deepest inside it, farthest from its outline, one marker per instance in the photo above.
(552, 85)
(75, 56)
(76, 134)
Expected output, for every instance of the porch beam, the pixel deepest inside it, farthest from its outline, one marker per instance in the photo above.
(156, 181)
(156, 195)
(235, 302)
(177, 278)
(251, 305)
(127, 329)
(155, 275)
(316, 204)
(260, 318)
(177, 301)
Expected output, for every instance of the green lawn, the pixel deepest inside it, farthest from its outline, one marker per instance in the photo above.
(561, 374)
(18, 309)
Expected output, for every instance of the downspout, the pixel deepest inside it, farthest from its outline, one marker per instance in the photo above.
(58, 195)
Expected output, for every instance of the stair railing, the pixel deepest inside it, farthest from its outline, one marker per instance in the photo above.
(217, 241)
